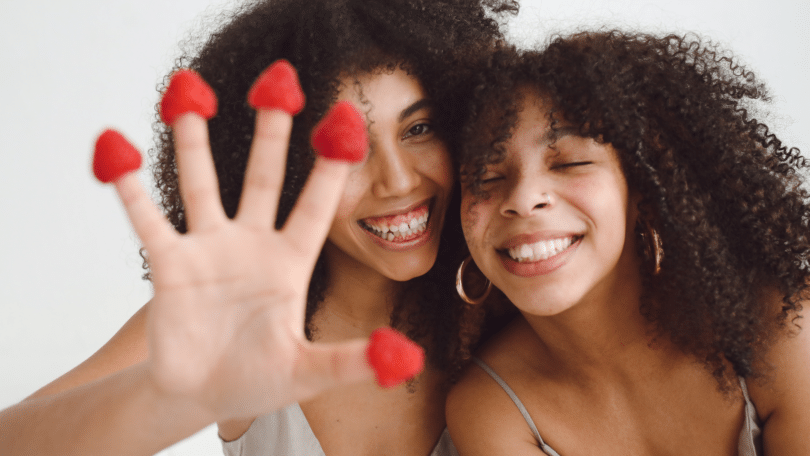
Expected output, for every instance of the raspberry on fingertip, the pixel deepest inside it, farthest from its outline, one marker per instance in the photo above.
(341, 134)
(187, 92)
(278, 88)
(394, 357)
(114, 157)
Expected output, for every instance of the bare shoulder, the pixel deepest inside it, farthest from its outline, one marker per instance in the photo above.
(783, 398)
(481, 417)
(127, 347)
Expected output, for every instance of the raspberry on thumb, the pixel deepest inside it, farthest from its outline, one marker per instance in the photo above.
(394, 357)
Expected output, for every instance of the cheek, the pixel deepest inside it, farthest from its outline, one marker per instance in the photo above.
(471, 217)
(435, 163)
(352, 196)
(609, 213)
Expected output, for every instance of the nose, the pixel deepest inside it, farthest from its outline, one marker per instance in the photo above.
(396, 170)
(525, 198)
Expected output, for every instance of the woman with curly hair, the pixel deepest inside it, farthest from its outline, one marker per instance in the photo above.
(653, 235)
(224, 339)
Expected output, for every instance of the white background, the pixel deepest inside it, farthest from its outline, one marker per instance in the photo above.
(69, 267)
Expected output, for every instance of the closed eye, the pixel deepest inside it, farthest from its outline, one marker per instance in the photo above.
(573, 164)
(490, 179)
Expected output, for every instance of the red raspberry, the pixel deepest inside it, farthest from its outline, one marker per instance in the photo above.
(394, 357)
(114, 157)
(341, 134)
(278, 88)
(187, 92)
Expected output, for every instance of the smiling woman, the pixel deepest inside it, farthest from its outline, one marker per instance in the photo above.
(549, 170)
(654, 236)
(390, 218)
(240, 331)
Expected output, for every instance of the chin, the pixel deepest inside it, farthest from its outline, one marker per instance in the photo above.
(540, 301)
(404, 271)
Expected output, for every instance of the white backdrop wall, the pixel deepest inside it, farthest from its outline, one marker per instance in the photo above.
(69, 264)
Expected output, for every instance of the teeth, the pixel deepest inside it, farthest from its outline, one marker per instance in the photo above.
(404, 229)
(539, 250)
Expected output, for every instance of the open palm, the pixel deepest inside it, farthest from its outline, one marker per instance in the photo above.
(225, 326)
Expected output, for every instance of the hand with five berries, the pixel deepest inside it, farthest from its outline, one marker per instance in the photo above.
(226, 322)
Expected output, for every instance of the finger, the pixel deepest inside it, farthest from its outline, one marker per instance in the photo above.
(114, 160)
(341, 140)
(388, 356)
(264, 176)
(308, 225)
(114, 156)
(324, 366)
(185, 106)
(154, 231)
(277, 96)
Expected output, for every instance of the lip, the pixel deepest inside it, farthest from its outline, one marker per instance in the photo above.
(404, 210)
(541, 267)
(411, 244)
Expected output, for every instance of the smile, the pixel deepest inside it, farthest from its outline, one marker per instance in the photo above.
(398, 228)
(542, 250)
(530, 259)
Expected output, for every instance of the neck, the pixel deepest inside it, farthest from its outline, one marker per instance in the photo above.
(358, 300)
(605, 334)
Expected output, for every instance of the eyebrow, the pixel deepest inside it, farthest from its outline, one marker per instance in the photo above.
(416, 106)
(552, 135)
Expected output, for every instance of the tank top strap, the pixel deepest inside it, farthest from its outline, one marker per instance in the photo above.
(750, 442)
(546, 449)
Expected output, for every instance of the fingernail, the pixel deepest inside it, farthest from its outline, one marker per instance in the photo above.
(341, 134)
(187, 92)
(394, 357)
(278, 88)
(114, 156)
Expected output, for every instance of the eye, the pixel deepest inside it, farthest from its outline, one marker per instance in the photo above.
(489, 178)
(420, 129)
(571, 165)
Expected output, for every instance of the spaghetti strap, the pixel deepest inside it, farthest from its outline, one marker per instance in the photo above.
(750, 442)
(546, 449)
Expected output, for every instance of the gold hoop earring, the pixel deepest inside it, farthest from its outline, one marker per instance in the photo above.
(460, 285)
(654, 247)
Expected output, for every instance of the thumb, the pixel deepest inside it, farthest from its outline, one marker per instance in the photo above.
(388, 356)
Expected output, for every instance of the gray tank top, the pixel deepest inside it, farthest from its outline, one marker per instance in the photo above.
(287, 433)
(749, 443)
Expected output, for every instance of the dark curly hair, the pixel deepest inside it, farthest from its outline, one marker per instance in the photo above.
(723, 192)
(438, 42)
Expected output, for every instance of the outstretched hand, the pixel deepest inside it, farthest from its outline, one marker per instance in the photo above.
(226, 324)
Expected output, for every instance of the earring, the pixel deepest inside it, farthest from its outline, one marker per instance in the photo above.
(460, 285)
(654, 247)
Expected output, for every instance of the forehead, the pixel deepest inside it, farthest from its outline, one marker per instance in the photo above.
(380, 88)
(533, 124)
